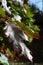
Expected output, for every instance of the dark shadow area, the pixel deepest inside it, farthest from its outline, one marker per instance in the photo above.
(37, 45)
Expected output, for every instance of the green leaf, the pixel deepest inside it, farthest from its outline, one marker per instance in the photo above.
(2, 12)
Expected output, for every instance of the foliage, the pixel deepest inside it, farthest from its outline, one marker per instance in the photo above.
(25, 22)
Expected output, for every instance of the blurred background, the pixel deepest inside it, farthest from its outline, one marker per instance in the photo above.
(37, 45)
